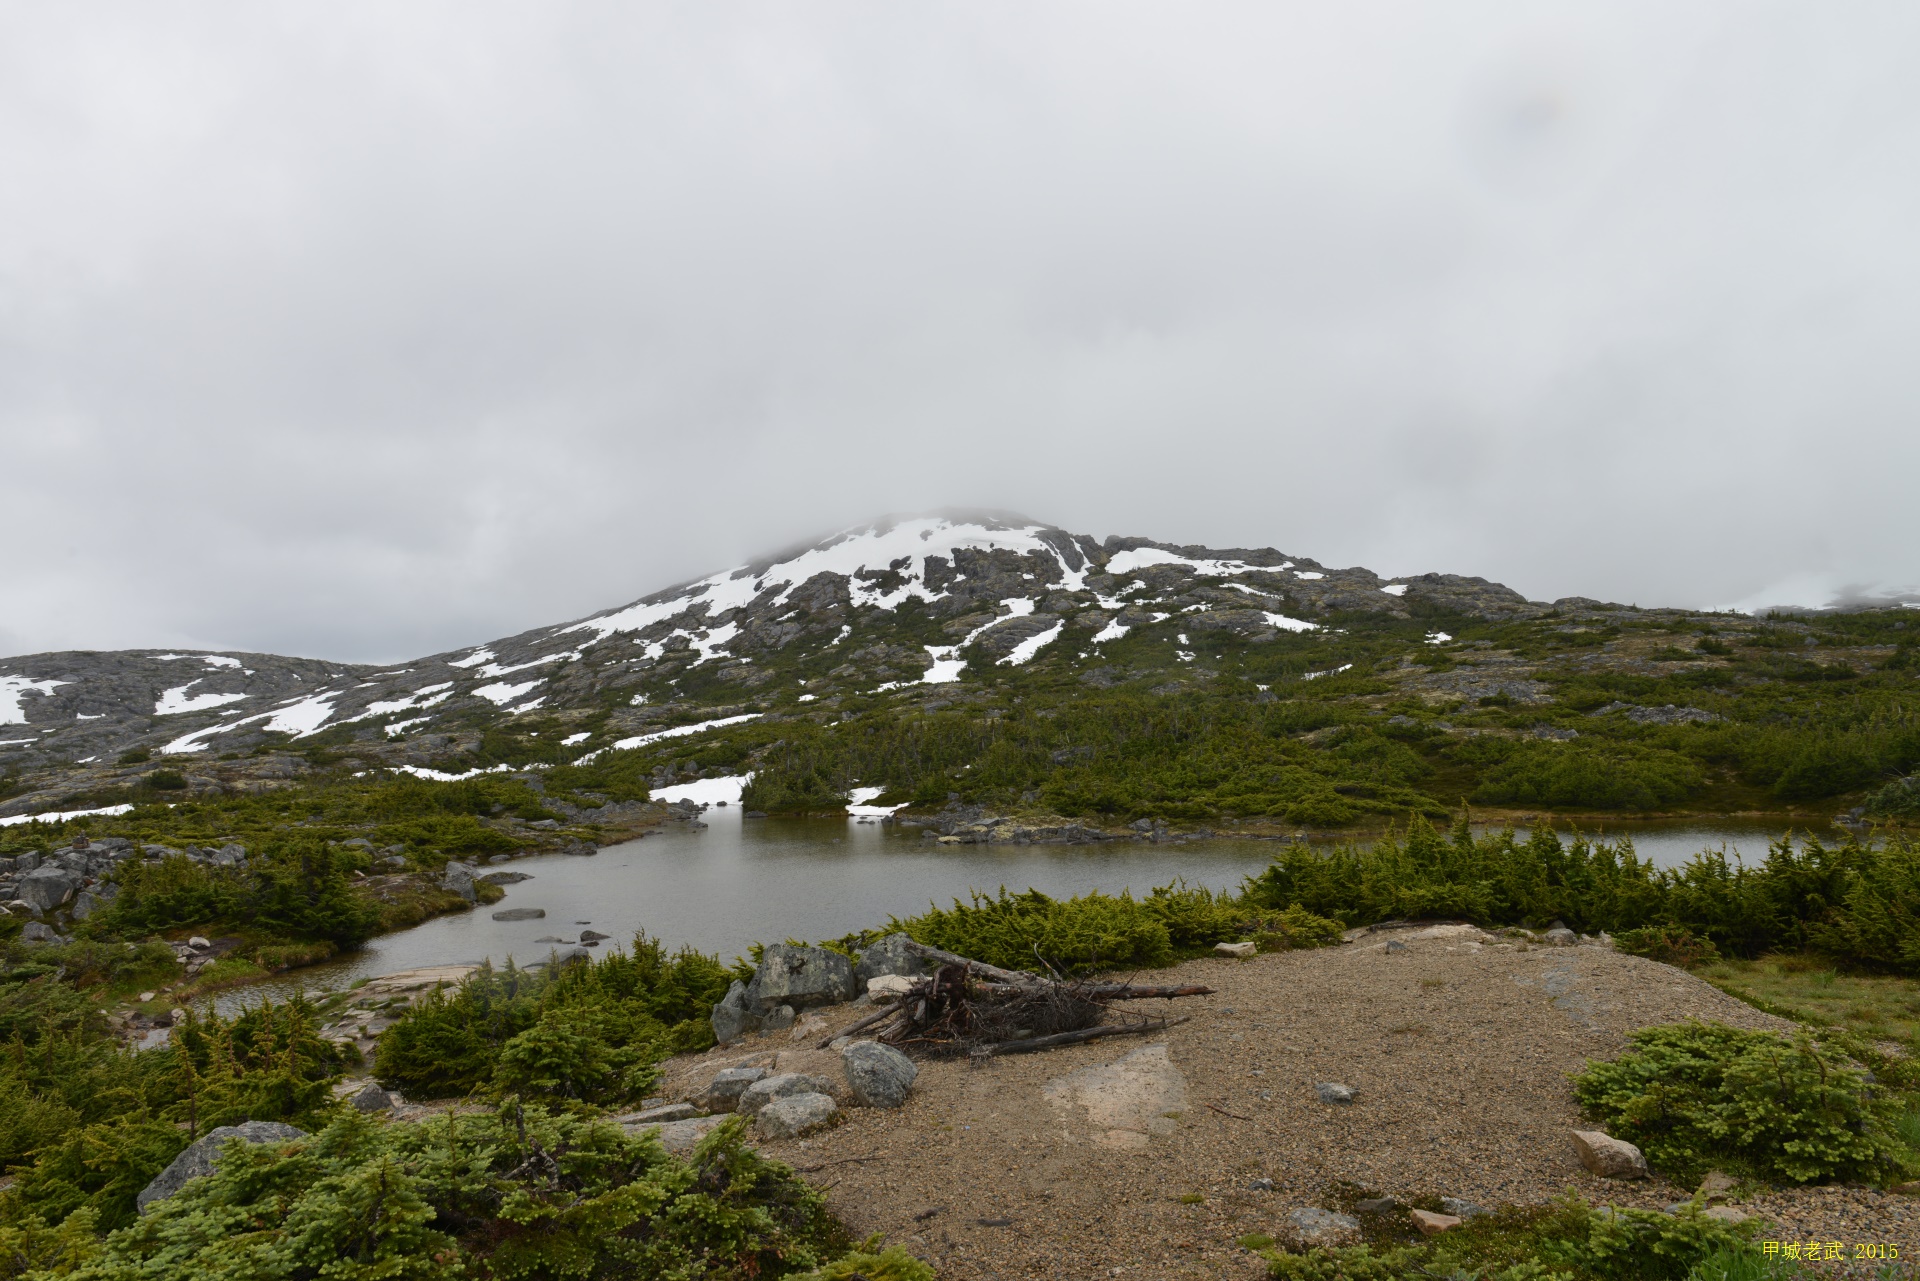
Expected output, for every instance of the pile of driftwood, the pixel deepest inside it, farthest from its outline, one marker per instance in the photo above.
(970, 1007)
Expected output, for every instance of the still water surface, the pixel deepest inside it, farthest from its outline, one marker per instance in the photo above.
(739, 881)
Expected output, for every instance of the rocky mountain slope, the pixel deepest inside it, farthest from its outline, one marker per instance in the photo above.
(934, 600)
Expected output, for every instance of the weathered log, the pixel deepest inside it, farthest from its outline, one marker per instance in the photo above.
(861, 1024)
(1020, 977)
(1031, 1044)
(1096, 991)
(1137, 992)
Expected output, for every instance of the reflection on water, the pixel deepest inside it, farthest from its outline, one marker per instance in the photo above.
(742, 881)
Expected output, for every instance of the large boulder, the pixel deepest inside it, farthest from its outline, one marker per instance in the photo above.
(802, 977)
(458, 877)
(795, 1115)
(203, 1157)
(770, 1089)
(47, 887)
(889, 956)
(733, 1017)
(878, 1075)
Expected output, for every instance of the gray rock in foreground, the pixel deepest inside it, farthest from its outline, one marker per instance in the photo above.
(371, 1098)
(1609, 1158)
(879, 1075)
(802, 977)
(47, 887)
(1333, 1092)
(723, 1092)
(888, 956)
(795, 1115)
(733, 1017)
(203, 1157)
(677, 1136)
(767, 1090)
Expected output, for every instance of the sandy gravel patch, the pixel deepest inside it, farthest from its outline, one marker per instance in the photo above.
(1138, 1155)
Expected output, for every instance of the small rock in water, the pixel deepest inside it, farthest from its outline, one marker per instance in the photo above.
(1333, 1092)
(552, 938)
(521, 914)
(593, 936)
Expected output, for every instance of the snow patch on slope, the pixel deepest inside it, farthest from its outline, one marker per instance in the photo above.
(12, 687)
(175, 701)
(867, 551)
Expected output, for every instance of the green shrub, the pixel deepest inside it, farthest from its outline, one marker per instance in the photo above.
(1577, 777)
(295, 888)
(1668, 944)
(1693, 1096)
(1030, 931)
(166, 780)
(525, 1194)
(871, 1263)
(1898, 799)
(589, 1032)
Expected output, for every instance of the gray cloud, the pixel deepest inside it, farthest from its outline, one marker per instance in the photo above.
(364, 332)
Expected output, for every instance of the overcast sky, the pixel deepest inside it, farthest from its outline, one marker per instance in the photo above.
(368, 330)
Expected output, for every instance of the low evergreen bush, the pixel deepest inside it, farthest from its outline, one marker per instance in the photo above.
(525, 1193)
(1695, 1096)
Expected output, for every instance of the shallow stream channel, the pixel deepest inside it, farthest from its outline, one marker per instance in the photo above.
(740, 880)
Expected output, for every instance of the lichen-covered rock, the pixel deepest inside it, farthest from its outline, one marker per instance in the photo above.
(772, 1088)
(889, 956)
(802, 977)
(458, 877)
(203, 1157)
(879, 1076)
(795, 1115)
(371, 1098)
(733, 1017)
(723, 1092)
(47, 887)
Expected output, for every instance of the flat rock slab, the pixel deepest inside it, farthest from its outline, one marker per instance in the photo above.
(1128, 1101)
(521, 914)
(678, 1136)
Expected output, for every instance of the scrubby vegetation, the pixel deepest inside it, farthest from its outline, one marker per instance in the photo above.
(1856, 901)
(1695, 1097)
(1769, 715)
(526, 1192)
(1567, 1241)
(591, 1032)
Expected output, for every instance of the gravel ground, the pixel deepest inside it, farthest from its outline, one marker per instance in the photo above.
(1459, 1055)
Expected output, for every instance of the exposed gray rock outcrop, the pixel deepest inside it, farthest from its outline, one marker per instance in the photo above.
(203, 1157)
